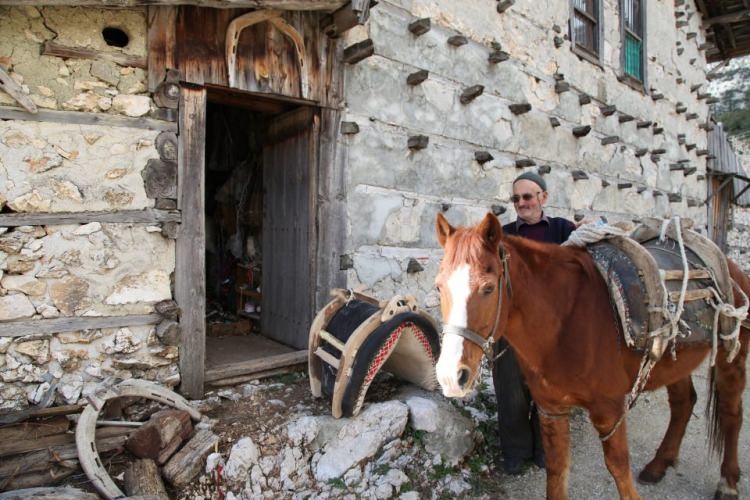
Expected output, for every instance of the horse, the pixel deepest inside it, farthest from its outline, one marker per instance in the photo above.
(553, 307)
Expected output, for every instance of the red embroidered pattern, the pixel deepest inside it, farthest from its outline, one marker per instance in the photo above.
(382, 354)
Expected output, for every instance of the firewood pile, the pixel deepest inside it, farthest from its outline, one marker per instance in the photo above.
(47, 447)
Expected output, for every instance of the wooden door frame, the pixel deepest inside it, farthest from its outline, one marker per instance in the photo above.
(190, 282)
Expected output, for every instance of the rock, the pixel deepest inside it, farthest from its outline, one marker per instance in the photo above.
(70, 359)
(361, 438)
(409, 495)
(89, 228)
(5, 343)
(243, 456)
(150, 286)
(213, 461)
(13, 242)
(168, 332)
(70, 388)
(105, 71)
(15, 306)
(123, 342)
(168, 308)
(37, 394)
(19, 265)
(25, 284)
(69, 294)
(47, 311)
(67, 190)
(131, 105)
(38, 350)
(457, 486)
(449, 433)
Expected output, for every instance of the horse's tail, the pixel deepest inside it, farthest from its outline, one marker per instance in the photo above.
(715, 430)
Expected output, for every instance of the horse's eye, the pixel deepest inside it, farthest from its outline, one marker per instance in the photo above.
(488, 290)
(437, 287)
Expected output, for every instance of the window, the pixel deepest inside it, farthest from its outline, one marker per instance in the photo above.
(586, 28)
(633, 21)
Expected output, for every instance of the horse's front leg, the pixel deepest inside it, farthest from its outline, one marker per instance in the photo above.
(556, 441)
(616, 450)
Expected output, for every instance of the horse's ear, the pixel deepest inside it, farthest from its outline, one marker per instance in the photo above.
(491, 230)
(444, 229)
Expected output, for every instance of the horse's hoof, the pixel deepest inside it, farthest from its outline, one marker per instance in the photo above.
(726, 492)
(648, 477)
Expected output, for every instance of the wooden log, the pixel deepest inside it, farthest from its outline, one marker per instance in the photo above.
(21, 415)
(608, 110)
(167, 95)
(145, 216)
(584, 99)
(355, 53)
(417, 77)
(160, 178)
(579, 175)
(142, 478)
(498, 56)
(624, 118)
(417, 142)
(34, 430)
(349, 128)
(241, 379)
(66, 493)
(168, 308)
(561, 86)
(14, 90)
(158, 433)
(58, 50)
(189, 461)
(520, 108)
(643, 124)
(612, 139)
(457, 40)
(420, 26)
(54, 475)
(25, 445)
(624, 185)
(483, 157)
(84, 118)
(256, 365)
(471, 93)
(166, 145)
(640, 152)
(504, 5)
(57, 325)
(60, 454)
(170, 230)
(525, 162)
(554, 121)
(581, 131)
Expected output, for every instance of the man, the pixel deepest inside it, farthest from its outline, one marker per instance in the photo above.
(520, 436)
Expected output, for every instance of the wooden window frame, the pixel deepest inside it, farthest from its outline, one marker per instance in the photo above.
(578, 49)
(639, 85)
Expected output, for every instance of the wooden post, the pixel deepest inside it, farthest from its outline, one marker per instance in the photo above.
(190, 281)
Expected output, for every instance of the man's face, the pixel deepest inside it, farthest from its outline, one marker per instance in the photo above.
(531, 199)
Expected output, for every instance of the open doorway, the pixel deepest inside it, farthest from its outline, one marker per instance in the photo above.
(259, 206)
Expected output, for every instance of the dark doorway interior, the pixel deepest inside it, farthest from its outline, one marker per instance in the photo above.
(248, 220)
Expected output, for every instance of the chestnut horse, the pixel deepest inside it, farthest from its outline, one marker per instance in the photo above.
(552, 305)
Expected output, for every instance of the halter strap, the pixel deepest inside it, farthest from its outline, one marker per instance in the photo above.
(488, 344)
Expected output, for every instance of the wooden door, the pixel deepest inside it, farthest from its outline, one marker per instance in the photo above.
(289, 166)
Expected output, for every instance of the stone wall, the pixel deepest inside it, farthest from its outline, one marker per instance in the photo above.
(78, 270)
(394, 193)
(75, 84)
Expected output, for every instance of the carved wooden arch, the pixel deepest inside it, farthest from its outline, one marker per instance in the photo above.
(256, 17)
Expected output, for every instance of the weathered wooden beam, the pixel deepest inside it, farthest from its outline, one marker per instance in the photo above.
(82, 118)
(504, 5)
(554, 121)
(457, 40)
(167, 95)
(349, 128)
(145, 216)
(324, 5)
(57, 325)
(612, 139)
(13, 89)
(520, 108)
(561, 86)
(343, 19)
(142, 478)
(166, 145)
(471, 93)
(579, 175)
(355, 53)
(189, 461)
(58, 50)
(161, 43)
(417, 142)
(256, 365)
(420, 26)
(728, 18)
(584, 99)
(498, 56)
(483, 157)
(582, 130)
(417, 77)
(160, 178)
(608, 110)
(525, 162)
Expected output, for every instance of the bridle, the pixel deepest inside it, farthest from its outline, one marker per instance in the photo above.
(488, 344)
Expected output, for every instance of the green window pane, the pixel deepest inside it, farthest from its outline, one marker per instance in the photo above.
(633, 57)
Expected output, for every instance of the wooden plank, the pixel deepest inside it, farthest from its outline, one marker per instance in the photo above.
(255, 376)
(26, 445)
(189, 461)
(161, 43)
(256, 365)
(327, 357)
(58, 50)
(332, 340)
(41, 460)
(324, 5)
(49, 493)
(57, 325)
(190, 279)
(82, 118)
(13, 89)
(693, 274)
(34, 430)
(145, 216)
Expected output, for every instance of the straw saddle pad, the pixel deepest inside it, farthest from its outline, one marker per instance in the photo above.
(644, 274)
(355, 336)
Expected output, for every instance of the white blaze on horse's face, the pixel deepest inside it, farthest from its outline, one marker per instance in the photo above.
(449, 368)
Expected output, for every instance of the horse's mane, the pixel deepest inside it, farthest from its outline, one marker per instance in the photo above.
(466, 245)
(538, 255)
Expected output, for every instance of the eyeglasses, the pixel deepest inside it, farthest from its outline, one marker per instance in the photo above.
(526, 197)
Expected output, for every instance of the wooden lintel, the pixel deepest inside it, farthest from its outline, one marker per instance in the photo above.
(83, 118)
(324, 5)
(146, 216)
(256, 365)
(57, 50)
(57, 325)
